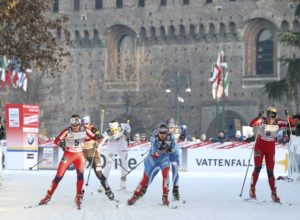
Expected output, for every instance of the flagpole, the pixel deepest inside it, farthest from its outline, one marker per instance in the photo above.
(217, 112)
(223, 94)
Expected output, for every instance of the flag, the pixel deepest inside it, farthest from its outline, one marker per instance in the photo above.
(24, 86)
(226, 84)
(3, 73)
(15, 78)
(217, 77)
(8, 77)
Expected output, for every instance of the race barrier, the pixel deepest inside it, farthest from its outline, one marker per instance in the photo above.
(294, 158)
(228, 157)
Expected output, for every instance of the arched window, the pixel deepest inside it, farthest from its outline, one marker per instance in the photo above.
(67, 36)
(260, 53)
(232, 27)
(181, 30)
(211, 29)
(284, 26)
(96, 35)
(201, 29)
(121, 67)
(264, 53)
(296, 26)
(222, 28)
(192, 30)
(77, 37)
(172, 31)
(162, 32)
(153, 32)
(143, 32)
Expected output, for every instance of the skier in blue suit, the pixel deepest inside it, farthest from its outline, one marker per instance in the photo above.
(162, 144)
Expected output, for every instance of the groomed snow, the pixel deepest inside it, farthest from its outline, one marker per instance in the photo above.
(209, 196)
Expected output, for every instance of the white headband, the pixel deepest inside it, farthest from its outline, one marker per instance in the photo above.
(113, 124)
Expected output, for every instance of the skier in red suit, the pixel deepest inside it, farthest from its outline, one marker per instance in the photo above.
(268, 127)
(71, 140)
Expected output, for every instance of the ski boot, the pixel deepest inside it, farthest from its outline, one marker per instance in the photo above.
(136, 195)
(132, 200)
(274, 196)
(123, 182)
(176, 193)
(109, 194)
(165, 200)
(252, 192)
(46, 199)
(78, 199)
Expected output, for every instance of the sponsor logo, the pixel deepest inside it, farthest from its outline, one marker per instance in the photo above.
(30, 156)
(30, 139)
(222, 162)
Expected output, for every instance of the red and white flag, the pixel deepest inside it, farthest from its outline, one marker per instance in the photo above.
(217, 77)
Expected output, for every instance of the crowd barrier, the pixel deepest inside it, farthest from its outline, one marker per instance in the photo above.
(194, 156)
(294, 158)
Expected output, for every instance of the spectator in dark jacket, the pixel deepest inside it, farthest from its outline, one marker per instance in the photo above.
(220, 138)
(2, 131)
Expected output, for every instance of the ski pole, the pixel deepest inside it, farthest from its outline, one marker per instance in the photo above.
(120, 165)
(99, 145)
(248, 165)
(30, 168)
(136, 166)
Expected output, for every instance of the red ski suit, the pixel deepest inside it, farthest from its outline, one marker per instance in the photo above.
(265, 146)
(73, 154)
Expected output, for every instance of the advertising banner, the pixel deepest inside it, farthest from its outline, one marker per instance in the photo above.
(22, 135)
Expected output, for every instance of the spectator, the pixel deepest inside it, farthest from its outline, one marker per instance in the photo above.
(250, 137)
(143, 137)
(238, 136)
(136, 137)
(203, 138)
(220, 138)
(2, 130)
(297, 124)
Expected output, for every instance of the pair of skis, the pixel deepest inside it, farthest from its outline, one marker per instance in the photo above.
(170, 205)
(253, 200)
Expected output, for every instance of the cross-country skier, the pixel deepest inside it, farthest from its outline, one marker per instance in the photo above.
(174, 156)
(117, 135)
(91, 154)
(162, 144)
(265, 147)
(71, 140)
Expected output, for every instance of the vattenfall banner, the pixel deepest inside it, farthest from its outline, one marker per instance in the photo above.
(207, 157)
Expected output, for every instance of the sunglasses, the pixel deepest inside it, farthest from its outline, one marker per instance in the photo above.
(162, 132)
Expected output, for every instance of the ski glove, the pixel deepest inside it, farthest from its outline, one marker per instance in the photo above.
(62, 144)
(286, 112)
(260, 115)
(163, 146)
(170, 150)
